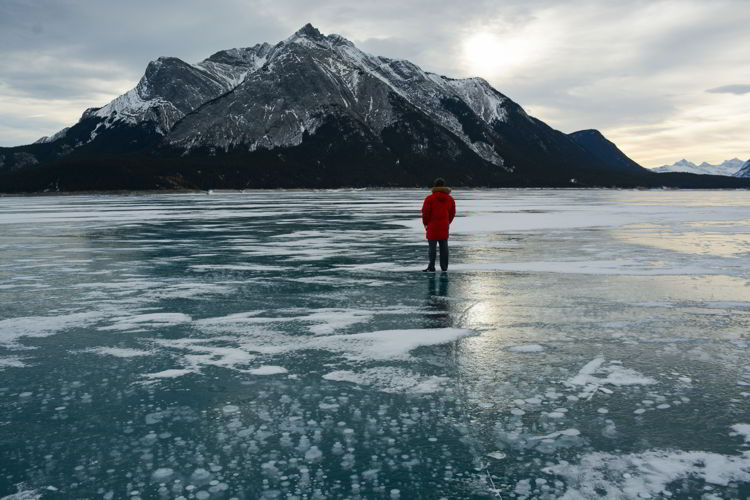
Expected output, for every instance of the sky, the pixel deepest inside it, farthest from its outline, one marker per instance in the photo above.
(664, 80)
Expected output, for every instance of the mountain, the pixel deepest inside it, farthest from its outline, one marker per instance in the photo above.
(605, 150)
(744, 170)
(728, 167)
(315, 111)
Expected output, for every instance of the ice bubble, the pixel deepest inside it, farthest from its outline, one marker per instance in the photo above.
(229, 409)
(162, 474)
(523, 487)
(603, 411)
(313, 454)
(25, 394)
(570, 432)
(304, 444)
(663, 406)
(517, 411)
(610, 430)
(639, 411)
(154, 418)
(200, 476)
(555, 414)
(497, 455)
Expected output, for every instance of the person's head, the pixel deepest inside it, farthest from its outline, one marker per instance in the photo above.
(439, 182)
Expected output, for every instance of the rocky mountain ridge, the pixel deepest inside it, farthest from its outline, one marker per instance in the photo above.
(312, 111)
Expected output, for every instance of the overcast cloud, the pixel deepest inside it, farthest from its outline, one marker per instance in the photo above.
(662, 79)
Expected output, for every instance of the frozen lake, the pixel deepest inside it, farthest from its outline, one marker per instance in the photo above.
(584, 344)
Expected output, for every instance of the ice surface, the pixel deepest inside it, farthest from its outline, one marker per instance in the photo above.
(584, 344)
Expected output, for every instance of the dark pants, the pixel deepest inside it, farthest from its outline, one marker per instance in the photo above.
(443, 254)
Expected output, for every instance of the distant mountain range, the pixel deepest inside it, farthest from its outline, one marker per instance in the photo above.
(728, 167)
(744, 170)
(314, 111)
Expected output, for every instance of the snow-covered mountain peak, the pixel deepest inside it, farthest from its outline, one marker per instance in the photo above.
(727, 167)
(264, 80)
(307, 36)
(685, 163)
(309, 31)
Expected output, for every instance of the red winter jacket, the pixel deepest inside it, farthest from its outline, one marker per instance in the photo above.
(438, 211)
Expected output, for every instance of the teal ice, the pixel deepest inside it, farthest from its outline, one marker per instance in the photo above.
(285, 345)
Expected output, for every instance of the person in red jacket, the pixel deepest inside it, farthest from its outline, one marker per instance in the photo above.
(438, 211)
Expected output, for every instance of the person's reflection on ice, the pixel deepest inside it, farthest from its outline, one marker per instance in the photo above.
(437, 310)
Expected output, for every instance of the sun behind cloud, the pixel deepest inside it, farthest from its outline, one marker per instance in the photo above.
(489, 53)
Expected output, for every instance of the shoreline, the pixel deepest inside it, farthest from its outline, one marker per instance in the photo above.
(209, 192)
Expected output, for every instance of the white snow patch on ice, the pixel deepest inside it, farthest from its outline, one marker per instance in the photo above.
(390, 379)
(647, 474)
(236, 352)
(198, 353)
(238, 267)
(387, 344)
(11, 362)
(526, 348)
(330, 320)
(589, 266)
(267, 370)
(610, 374)
(325, 320)
(154, 320)
(24, 495)
(743, 430)
(13, 329)
(169, 373)
(118, 352)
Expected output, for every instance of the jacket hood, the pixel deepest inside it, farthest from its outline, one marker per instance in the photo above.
(441, 189)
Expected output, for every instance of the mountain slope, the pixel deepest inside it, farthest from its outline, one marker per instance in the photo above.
(610, 155)
(744, 170)
(313, 111)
